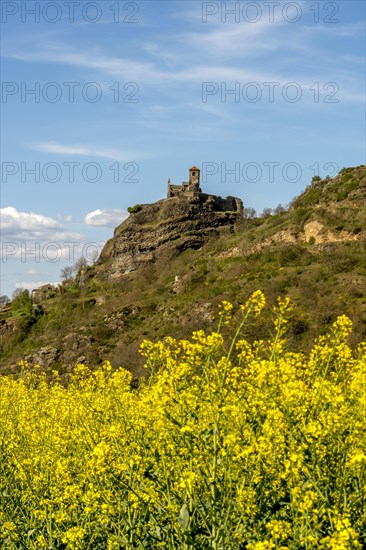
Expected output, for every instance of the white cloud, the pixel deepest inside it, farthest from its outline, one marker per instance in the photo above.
(106, 218)
(234, 42)
(11, 218)
(114, 66)
(32, 228)
(255, 52)
(140, 72)
(80, 150)
(64, 218)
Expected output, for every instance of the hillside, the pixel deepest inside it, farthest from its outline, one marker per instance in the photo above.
(170, 264)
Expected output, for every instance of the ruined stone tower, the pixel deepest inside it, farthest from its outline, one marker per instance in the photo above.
(194, 179)
(192, 191)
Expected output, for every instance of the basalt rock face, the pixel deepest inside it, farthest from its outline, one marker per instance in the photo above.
(166, 228)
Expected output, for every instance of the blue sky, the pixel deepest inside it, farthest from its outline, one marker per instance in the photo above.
(260, 95)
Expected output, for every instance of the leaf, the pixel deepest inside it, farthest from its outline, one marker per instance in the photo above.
(183, 517)
(173, 420)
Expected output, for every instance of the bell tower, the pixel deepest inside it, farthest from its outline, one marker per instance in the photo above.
(194, 179)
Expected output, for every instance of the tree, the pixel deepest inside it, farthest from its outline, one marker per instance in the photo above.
(280, 209)
(249, 213)
(20, 299)
(67, 273)
(80, 264)
(266, 213)
(22, 309)
(4, 300)
(70, 271)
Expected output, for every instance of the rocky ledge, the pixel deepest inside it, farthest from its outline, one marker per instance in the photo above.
(166, 228)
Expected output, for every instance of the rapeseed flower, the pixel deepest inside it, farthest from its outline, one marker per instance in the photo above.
(228, 444)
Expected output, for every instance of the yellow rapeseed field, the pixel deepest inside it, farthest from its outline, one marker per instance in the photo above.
(229, 445)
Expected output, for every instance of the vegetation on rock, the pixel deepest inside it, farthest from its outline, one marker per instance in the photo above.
(134, 209)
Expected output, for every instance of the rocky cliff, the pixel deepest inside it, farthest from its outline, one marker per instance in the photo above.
(166, 228)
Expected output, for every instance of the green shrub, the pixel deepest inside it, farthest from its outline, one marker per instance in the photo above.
(25, 313)
(134, 209)
(347, 177)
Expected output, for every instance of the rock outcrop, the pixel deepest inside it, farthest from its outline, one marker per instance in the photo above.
(166, 228)
(44, 358)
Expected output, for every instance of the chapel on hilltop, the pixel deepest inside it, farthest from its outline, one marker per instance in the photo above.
(192, 191)
(191, 187)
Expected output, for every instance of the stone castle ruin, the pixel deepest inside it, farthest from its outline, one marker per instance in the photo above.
(186, 219)
(191, 187)
(191, 190)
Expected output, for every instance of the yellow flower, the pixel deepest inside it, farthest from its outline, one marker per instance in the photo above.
(73, 537)
(255, 303)
(234, 439)
(225, 312)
